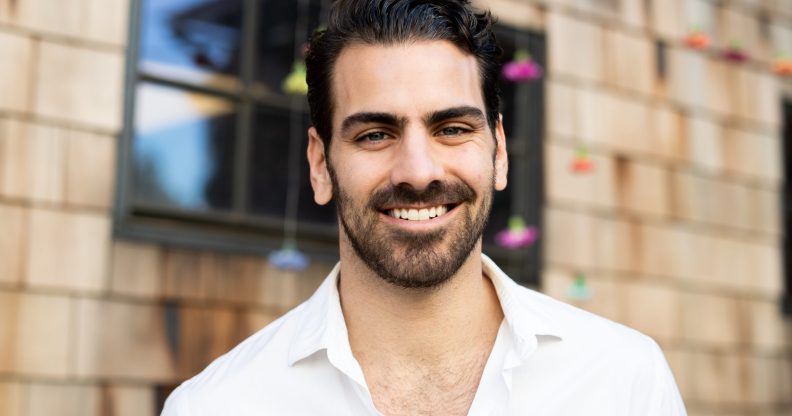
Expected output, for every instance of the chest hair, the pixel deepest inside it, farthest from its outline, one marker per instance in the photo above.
(417, 388)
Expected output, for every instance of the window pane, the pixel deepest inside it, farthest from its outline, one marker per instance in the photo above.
(182, 149)
(277, 30)
(269, 169)
(196, 41)
(269, 162)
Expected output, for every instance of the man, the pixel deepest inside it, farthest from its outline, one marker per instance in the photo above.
(414, 319)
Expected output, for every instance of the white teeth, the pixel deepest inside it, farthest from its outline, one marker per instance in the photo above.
(418, 214)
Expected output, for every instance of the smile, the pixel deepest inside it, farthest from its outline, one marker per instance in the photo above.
(414, 214)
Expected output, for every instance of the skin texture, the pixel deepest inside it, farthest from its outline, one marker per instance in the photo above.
(423, 347)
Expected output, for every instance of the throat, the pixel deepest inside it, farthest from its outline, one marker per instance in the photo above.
(410, 386)
(430, 326)
(425, 349)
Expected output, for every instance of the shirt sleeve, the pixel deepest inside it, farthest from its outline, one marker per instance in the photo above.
(655, 390)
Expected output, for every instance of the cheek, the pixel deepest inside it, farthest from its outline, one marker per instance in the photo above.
(473, 165)
(357, 177)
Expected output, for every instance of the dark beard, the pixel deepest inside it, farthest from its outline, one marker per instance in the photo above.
(424, 264)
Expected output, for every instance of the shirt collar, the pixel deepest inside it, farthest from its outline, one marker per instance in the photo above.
(322, 324)
(312, 331)
(527, 321)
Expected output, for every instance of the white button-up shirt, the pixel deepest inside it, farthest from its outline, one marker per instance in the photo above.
(549, 358)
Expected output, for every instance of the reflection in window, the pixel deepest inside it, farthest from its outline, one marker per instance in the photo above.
(181, 142)
(195, 40)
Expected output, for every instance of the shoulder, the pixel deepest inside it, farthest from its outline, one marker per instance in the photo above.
(575, 324)
(540, 314)
(253, 363)
(604, 359)
(592, 341)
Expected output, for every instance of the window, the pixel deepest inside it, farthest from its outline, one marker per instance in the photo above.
(213, 149)
(213, 144)
(522, 106)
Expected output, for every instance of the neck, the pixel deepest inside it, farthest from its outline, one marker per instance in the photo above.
(433, 325)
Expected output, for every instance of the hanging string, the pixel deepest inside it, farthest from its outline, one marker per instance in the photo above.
(296, 134)
(289, 257)
(522, 102)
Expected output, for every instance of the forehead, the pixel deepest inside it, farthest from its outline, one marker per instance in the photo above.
(406, 79)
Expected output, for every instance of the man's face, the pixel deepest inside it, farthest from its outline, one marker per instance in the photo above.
(413, 163)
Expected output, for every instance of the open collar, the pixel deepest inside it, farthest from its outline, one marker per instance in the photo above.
(322, 326)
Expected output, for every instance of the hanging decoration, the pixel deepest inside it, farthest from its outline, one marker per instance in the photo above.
(579, 290)
(517, 235)
(201, 59)
(289, 258)
(582, 162)
(522, 68)
(782, 65)
(295, 83)
(735, 53)
(698, 39)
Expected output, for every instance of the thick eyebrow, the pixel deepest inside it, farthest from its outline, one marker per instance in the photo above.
(454, 112)
(365, 118)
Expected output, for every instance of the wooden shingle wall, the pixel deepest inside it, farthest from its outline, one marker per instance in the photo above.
(91, 325)
(677, 229)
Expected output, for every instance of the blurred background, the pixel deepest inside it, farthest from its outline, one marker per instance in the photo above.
(155, 208)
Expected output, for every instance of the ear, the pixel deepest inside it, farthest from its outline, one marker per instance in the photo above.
(317, 161)
(501, 156)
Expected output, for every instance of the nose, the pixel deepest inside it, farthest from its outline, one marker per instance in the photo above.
(416, 161)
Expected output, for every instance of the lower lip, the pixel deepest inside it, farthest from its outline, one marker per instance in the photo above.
(425, 225)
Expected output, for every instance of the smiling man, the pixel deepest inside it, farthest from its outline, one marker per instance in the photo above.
(414, 319)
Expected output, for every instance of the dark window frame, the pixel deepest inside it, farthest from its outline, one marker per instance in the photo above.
(237, 233)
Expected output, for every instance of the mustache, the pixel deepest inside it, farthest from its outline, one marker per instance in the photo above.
(436, 193)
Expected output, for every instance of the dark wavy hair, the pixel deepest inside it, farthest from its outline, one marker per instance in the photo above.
(387, 22)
